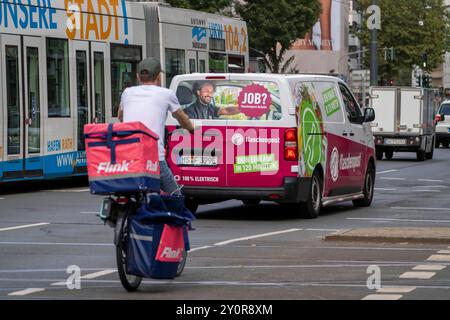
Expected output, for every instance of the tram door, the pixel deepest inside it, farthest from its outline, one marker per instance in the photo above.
(21, 61)
(81, 89)
(101, 82)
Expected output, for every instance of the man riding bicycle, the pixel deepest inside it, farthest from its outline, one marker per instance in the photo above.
(150, 103)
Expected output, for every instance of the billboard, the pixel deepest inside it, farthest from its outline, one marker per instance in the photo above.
(327, 33)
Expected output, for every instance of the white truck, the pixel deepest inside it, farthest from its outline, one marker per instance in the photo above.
(405, 121)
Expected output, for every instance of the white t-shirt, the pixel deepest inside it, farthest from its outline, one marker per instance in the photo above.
(149, 105)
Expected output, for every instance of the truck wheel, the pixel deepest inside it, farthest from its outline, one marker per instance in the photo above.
(311, 208)
(379, 155)
(369, 187)
(430, 155)
(421, 155)
(389, 155)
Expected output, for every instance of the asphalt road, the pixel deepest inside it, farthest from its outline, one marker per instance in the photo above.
(239, 252)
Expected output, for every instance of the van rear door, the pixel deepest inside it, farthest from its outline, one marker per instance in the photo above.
(198, 160)
(256, 133)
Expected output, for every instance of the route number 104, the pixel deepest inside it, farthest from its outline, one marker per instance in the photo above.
(233, 40)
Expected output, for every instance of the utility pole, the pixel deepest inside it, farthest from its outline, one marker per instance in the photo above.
(374, 53)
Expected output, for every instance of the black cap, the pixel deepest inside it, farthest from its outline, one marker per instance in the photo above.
(151, 66)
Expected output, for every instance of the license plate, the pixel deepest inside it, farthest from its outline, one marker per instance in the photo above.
(200, 161)
(395, 141)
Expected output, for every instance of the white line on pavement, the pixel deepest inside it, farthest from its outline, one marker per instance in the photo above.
(324, 230)
(444, 252)
(396, 290)
(224, 243)
(2, 198)
(387, 171)
(385, 189)
(383, 297)
(429, 267)
(420, 209)
(86, 212)
(200, 248)
(98, 274)
(399, 220)
(418, 275)
(26, 226)
(440, 258)
(26, 292)
(395, 179)
(71, 190)
(430, 191)
(58, 244)
(429, 180)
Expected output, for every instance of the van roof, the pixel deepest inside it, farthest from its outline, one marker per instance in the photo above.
(215, 76)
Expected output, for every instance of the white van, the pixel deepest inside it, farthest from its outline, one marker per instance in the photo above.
(293, 139)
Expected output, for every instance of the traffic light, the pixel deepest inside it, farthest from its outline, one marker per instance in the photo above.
(426, 81)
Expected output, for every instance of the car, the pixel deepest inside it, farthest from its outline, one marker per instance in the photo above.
(443, 125)
(298, 140)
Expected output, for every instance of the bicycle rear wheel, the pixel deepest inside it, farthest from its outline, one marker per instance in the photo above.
(131, 283)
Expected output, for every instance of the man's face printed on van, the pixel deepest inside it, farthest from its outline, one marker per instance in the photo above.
(206, 94)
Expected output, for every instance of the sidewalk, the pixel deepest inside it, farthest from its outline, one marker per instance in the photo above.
(393, 235)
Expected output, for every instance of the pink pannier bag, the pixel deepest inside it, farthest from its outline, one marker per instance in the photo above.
(122, 158)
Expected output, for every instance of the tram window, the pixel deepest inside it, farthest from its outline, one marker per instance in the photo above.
(217, 63)
(58, 78)
(34, 106)
(13, 99)
(124, 61)
(175, 64)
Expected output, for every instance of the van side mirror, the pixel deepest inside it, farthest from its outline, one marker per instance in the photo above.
(369, 115)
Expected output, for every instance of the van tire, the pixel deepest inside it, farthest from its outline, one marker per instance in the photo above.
(369, 189)
(191, 204)
(312, 207)
(389, 155)
(251, 202)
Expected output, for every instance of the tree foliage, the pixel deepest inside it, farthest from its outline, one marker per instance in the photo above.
(201, 5)
(273, 27)
(417, 29)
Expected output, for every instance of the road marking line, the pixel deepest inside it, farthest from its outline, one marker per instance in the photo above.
(200, 248)
(26, 292)
(418, 275)
(383, 297)
(2, 198)
(385, 189)
(400, 220)
(387, 171)
(224, 243)
(98, 274)
(396, 179)
(429, 180)
(87, 212)
(324, 230)
(444, 252)
(432, 191)
(441, 258)
(26, 226)
(420, 209)
(71, 191)
(396, 290)
(59, 244)
(429, 267)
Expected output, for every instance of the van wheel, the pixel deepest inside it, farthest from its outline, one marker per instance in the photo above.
(389, 155)
(379, 155)
(311, 208)
(251, 202)
(421, 155)
(369, 187)
(191, 204)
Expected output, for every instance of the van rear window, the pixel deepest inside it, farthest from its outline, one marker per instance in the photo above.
(230, 100)
(445, 109)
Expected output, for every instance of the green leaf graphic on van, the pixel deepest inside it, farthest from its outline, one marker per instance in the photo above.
(331, 102)
(312, 136)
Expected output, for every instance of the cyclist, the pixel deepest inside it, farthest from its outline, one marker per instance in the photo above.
(150, 103)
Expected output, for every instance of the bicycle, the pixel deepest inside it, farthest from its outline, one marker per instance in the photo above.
(116, 211)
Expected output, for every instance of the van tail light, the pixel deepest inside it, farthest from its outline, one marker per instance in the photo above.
(290, 145)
